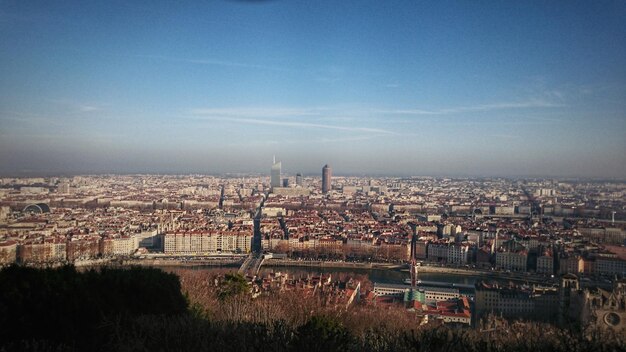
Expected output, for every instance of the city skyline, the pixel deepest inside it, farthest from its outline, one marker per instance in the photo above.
(447, 89)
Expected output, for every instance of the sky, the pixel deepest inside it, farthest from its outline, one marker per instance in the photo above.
(454, 88)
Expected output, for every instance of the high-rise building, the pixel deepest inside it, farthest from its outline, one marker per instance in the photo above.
(275, 174)
(299, 180)
(285, 182)
(327, 173)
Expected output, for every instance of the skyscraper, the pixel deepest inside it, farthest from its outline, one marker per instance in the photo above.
(327, 173)
(275, 174)
(299, 179)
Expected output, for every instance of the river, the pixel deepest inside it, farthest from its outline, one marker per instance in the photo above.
(388, 276)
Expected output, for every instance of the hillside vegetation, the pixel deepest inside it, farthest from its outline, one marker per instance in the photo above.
(146, 309)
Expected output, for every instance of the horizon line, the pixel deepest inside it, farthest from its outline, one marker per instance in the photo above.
(309, 174)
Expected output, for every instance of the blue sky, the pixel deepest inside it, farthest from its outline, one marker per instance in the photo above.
(457, 88)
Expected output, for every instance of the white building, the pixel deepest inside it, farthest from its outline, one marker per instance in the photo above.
(433, 294)
(124, 245)
(207, 242)
(458, 254)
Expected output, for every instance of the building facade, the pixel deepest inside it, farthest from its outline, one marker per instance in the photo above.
(545, 264)
(275, 180)
(517, 302)
(299, 182)
(196, 243)
(458, 254)
(514, 261)
(326, 178)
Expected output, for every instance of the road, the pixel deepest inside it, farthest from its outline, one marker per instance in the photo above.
(253, 263)
(256, 240)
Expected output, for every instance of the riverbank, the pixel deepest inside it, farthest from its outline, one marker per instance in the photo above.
(483, 274)
(331, 264)
(93, 262)
(313, 264)
(499, 275)
(235, 263)
(291, 263)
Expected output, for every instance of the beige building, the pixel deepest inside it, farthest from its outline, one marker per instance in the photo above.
(207, 242)
(433, 294)
(517, 302)
(125, 245)
(514, 261)
(273, 211)
(122, 245)
(505, 210)
(604, 235)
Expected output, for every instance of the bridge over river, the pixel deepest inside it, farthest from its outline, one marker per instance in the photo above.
(252, 264)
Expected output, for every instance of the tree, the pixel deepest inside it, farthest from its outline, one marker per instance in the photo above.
(323, 333)
(233, 284)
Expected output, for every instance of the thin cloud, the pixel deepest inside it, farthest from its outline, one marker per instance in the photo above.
(307, 141)
(74, 107)
(213, 62)
(314, 116)
(298, 124)
(484, 107)
(503, 106)
(410, 112)
(257, 112)
(88, 108)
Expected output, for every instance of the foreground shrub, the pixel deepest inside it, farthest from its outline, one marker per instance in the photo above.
(46, 310)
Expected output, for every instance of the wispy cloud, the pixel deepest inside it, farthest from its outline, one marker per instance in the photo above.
(296, 124)
(535, 103)
(314, 141)
(214, 62)
(258, 112)
(88, 108)
(341, 118)
(74, 107)
(273, 116)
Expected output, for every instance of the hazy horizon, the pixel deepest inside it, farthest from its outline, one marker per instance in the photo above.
(31, 174)
(458, 89)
